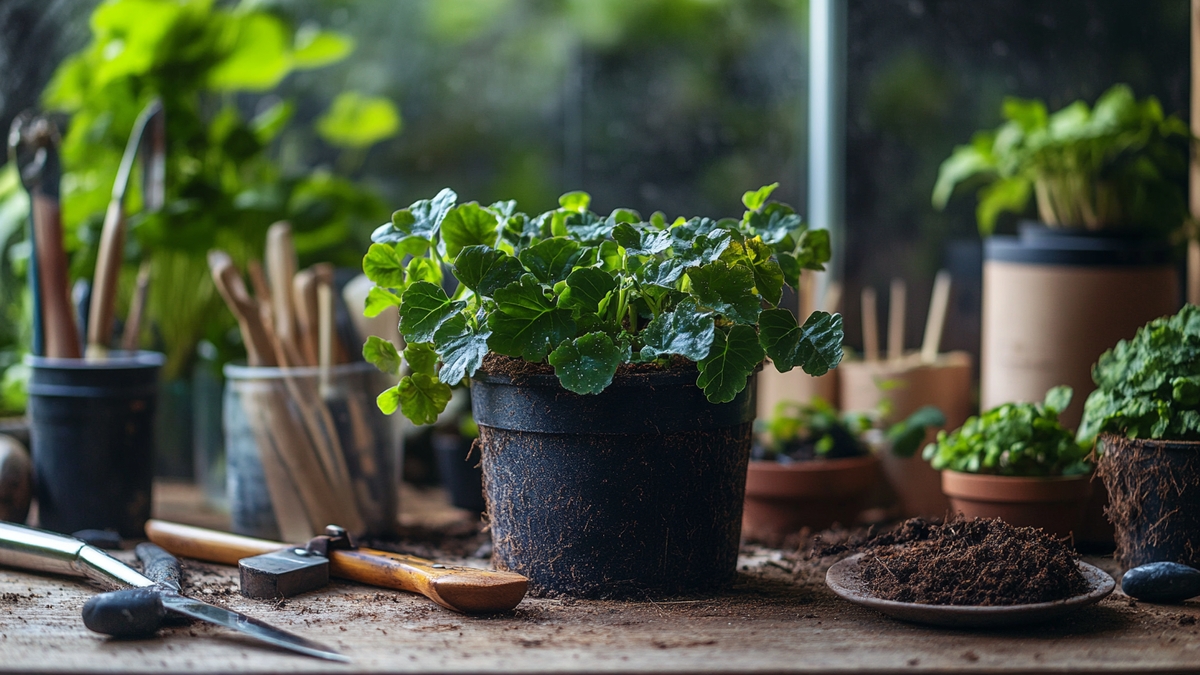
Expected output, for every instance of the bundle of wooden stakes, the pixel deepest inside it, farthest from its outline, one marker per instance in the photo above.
(316, 445)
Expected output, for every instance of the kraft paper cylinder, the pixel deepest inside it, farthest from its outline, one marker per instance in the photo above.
(909, 385)
(795, 386)
(1046, 325)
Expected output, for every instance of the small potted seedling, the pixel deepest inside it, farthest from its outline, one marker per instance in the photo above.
(611, 360)
(1018, 463)
(908, 381)
(813, 467)
(1145, 417)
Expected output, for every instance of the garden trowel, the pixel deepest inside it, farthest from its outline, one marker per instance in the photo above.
(274, 569)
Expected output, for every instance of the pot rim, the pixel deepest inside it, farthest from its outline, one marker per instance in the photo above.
(987, 488)
(1155, 443)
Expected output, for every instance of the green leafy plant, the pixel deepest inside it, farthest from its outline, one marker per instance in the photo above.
(1121, 164)
(1014, 439)
(588, 293)
(1149, 387)
(224, 183)
(817, 429)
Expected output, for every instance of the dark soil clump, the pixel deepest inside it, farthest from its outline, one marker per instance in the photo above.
(983, 562)
(498, 364)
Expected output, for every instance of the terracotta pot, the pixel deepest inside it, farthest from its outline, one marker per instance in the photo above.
(918, 486)
(783, 498)
(1056, 504)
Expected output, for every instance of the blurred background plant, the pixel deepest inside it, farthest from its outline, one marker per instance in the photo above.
(215, 67)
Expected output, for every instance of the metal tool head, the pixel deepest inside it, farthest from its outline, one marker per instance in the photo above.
(33, 142)
(282, 574)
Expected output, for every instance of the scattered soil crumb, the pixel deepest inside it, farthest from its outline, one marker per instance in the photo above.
(1187, 620)
(982, 562)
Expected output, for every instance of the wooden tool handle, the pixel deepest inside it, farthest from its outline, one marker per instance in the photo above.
(60, 334)
(104, 283)
(462, 589)
(209, 545)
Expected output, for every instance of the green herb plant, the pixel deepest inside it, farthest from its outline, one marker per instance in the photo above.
(1149, 387)
(819, 423)
(213, 65)
(589, 292)
(1119, 165)
(1014, 439)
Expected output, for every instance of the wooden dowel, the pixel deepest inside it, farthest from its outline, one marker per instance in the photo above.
(936, 319)
(137, 308)
(258, 282)
(304, 301)
(59, 332)
(896, 305)
(281, 269)
(870, 326)
(833, 297)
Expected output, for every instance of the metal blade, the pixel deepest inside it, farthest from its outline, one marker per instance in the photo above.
(248, 626)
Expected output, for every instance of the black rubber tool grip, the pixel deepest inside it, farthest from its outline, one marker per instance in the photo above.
(131, 613)
(159, 566)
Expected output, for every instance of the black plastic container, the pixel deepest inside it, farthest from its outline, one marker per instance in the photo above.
(1154, 499)
(635, 492)
(92, 428)
(459, 468)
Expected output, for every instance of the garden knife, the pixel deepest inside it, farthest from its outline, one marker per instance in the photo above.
(144, 603)
(462, 589)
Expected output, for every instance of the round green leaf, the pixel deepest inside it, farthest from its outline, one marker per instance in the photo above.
(687, 331)
(733, 357)
(727, 289)
(586, 365)
(355, 120)
(424, 307)
(422, 398)
(467, 225)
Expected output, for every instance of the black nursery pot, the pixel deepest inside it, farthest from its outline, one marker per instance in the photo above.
(460, 471)
(631, 493)
(92, 428)
(1154, 499)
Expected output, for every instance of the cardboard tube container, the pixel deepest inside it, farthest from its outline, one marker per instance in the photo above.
(1053, 302)
(910, 384)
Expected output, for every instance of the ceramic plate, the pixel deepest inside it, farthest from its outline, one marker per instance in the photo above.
(843, 579)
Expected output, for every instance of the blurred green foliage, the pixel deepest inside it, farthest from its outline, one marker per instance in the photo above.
(1118, 165)
(214, 66)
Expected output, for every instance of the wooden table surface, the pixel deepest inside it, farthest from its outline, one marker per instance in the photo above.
(772, 620)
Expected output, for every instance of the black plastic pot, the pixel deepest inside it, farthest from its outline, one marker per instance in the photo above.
(1154, 499)
(459, 468)
(631, 493)
(92, 428)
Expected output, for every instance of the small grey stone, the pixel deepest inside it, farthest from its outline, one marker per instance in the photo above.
(1162, 582)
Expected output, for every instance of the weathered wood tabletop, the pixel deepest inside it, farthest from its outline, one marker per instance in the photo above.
(774, 619)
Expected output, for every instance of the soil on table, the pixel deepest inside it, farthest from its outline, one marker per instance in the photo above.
(983, 562)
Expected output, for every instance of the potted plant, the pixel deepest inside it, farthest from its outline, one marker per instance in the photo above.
(1108, 185)
(1017, 462)
(609, 358)
(1143, 415)
(813, 467)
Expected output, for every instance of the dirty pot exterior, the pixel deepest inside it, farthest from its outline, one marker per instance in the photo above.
(633, 492)
(1154, 498)
(1056, 503)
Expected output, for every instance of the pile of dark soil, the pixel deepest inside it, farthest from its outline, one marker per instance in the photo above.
(979, 562)
(500, 364)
